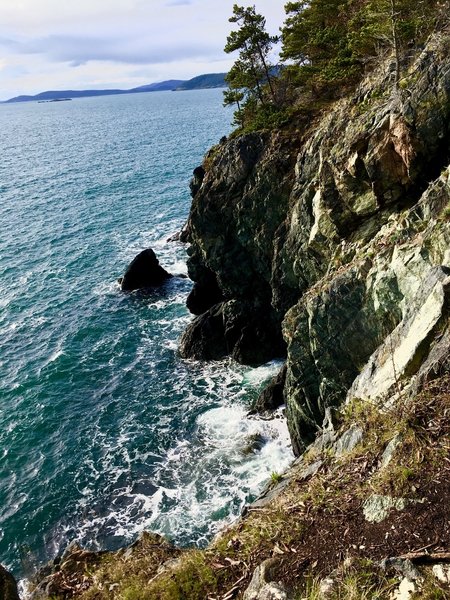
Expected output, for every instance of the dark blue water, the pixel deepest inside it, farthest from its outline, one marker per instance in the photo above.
(104, 430)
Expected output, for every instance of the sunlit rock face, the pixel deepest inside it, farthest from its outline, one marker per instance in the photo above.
(338, 236)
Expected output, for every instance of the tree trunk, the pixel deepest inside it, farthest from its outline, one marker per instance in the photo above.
(395, 44)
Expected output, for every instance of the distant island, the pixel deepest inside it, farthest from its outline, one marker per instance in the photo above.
(54, 100)
(201, 82)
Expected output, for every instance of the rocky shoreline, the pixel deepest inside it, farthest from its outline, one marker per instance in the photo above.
(329, 246)
(325, 244)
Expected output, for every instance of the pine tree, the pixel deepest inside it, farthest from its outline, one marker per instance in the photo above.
(249, 78)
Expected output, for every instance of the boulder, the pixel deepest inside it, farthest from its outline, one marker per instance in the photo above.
(144, 271)
(8, 586)
(272, 396)
(263, 585)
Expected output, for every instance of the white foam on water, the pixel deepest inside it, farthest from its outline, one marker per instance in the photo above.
(179, 267)
(106, 288)
(260, 374)
(23, 587)
(201, 483)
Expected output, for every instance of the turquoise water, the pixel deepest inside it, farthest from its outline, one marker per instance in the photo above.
(104, 430)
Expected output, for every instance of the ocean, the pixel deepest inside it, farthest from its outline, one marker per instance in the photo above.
(104, 430)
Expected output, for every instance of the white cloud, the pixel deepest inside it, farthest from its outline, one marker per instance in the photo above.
(49, 43)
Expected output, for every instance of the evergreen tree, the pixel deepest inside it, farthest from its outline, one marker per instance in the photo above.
(249, 79)
(332, 42)
(315, 37)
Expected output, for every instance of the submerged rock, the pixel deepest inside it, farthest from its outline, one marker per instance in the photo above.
(144, 271)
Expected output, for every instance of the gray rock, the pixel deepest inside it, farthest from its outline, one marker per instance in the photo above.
(403, 566)
(262, 586)
(308, 471)
(376, 508)
(404, 349)
(389, 451)
(270, 493)
(348, 440)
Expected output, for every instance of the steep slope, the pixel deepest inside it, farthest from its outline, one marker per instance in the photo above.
(337, 233)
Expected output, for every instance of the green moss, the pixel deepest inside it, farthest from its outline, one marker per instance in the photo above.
(190, 580)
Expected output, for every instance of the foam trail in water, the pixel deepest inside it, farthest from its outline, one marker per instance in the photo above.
(203, 481)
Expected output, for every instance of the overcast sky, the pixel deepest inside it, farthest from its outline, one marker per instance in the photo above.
(88, 44)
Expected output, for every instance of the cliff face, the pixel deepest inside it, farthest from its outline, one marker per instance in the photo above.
(329, 245)
(338, 235)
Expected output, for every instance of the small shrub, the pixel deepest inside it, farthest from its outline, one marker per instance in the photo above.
(276, 477)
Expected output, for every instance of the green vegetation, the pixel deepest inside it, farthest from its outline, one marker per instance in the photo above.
(327, 47)
(276, 477)
(249, 79)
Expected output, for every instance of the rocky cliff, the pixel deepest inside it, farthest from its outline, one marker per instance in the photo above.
(327, 243)
(336, 236)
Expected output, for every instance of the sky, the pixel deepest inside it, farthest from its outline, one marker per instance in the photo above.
(95, 44)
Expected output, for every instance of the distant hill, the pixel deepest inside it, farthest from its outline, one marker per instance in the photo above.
(62, 94)
(210, 80)
(163, 86)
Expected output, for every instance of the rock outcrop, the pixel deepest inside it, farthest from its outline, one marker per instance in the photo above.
(144, 271)
(330, 245)
(272, 396)
(338, 236)
(8, 586)
(238, 208)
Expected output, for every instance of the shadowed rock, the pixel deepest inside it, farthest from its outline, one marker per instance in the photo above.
(144, 271)
(204, 339)
(232, 328)
(197, 180)
(205, 293)
(272, 396)
(8, 586)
